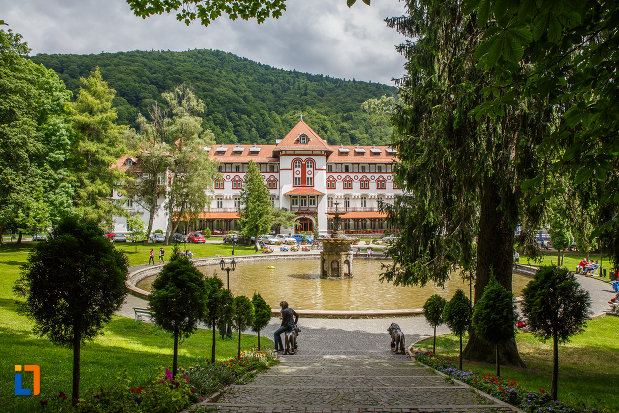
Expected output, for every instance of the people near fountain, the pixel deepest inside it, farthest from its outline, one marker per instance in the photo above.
(289, 320)
(161, 255)
(151, 259)
(591, 267)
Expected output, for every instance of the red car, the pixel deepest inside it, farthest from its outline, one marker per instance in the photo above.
(196, 238)
(109, 234)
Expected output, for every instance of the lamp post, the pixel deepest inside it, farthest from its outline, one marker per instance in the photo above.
(227, 268)
(233, 244)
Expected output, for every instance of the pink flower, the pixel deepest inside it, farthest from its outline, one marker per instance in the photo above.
(168, 374)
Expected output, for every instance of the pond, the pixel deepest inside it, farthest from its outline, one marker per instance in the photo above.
(297, 281)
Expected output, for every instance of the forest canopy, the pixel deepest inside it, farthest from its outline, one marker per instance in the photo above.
(246, 102)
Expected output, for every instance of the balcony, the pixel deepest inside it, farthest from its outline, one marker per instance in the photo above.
(303, 208)
(342, 209)
(224, 210)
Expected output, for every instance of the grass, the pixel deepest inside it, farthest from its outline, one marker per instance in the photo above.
(587, 364)
(570, 260)
(139, 348)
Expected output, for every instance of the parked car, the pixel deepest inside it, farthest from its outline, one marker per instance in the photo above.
(178, 238)
(272, 240)
(389, 239)
(108, 234)
(39, 237)
(157, 237)
(119, 238)
(300, 237)
(286, 239)
(230, 238)
(196, 238)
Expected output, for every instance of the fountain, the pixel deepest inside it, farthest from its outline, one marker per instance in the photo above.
(336, 256)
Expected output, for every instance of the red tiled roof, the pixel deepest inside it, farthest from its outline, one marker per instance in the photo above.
(290, 141)
(359, 214)
(304, 191)
(230, 155)
(367, 156)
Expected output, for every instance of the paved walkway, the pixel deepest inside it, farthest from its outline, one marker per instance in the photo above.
(337, 370)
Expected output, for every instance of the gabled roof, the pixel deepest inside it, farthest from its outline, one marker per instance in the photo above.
(291, 141)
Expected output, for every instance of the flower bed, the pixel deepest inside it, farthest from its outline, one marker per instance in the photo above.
(166, 393)
(503, 389)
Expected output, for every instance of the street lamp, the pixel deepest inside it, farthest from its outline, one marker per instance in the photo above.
(227, 269)
(233, 244)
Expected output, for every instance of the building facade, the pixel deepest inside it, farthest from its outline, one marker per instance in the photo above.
(304, 175)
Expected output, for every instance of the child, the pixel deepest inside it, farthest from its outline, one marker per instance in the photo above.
(161, 254)
(151, 259)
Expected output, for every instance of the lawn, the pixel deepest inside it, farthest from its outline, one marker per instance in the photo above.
(139, 348)
(588, 374)
(570, 261)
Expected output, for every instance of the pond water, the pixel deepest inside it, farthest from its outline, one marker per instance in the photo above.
(297, 281)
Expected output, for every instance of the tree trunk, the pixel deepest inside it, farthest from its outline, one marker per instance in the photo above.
(20, 235)
(213, 345)
(460, 352)
(555, 367)
(77, 341)
(258, 339)
(558, 258)
(239, 346)
(498, 360)
(494, 256)
(434, 343)
(175, 359)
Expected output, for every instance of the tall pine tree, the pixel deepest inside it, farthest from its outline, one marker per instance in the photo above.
(256, 215)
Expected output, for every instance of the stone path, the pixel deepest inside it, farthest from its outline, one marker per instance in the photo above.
(342, 371)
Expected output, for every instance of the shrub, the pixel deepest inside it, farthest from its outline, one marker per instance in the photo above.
(457, 315)
(433, 312)
(207, 233)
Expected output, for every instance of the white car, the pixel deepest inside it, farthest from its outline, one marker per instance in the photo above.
(286, 239)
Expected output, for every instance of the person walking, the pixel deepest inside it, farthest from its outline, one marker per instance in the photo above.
(289, 320)
(161, 254)
(151, 259)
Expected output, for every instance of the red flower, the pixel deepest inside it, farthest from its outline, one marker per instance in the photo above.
(542, 390)
(62, 395)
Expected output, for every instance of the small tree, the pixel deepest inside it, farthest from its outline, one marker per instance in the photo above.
(457, 315)
(556, 307)
(214, 307)
(433, 312)
(262, 314)
(494, 317)
(242, 316)
(178, 300)
(225, 317)
(256, 216)
(137, 230)
(73, 283)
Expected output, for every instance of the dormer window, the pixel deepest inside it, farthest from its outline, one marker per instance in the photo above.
(391, 151)
(254, 150)
(359, 151)
(375, 150)
(238, 150)
(303, 139)
(343, 151)
(220, 150)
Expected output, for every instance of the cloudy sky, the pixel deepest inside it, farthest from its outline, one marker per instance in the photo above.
(315, 36)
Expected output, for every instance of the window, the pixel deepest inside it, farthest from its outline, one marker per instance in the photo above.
(297, 181)
(309, 181)
(348, 183)
(237, 168)
(297, 164)
(331, 183)
(395, 185)
(237, 183)
(219, 184)
(219, 202)
(364, 183)
(330, 202)
(272, 197)
(312, 201)
(272, 183)
(228, 167)
(329, 168)
(363, 168)
(346, 168)
(364, 201)
(381, 183)
(220, 168)
(346, 202)
(303, 201)
(294, 201)
(303, 139)
(237, 202)
(271, 168)
(379, 168)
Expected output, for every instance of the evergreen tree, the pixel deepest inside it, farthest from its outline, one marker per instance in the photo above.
(242, 316)
(73, 284)
(99, 146)
(457, 315)
(262, 314)
(136, 228)
(555, 307)
(433, 312)
(256, 216)
(494, 317)
(178, 300)
(214, 307)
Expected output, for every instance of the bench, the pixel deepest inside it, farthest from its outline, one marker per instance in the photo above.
(142, 312)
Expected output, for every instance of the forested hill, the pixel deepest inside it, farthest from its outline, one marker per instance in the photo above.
(246, 102)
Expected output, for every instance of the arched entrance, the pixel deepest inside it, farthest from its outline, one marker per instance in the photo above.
(304, 224)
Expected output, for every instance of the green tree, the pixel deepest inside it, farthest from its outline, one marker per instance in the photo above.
(461, 174)
(73, 284)
(494, 317)
(256, 218)
(214, 307)
(191, 169)
(242, 316)
(457, 315)
(136, 228)
(36, 140)
(178, 300)
(560, 228)
(226, 300)
(99, 146)
(433, 312)
(262, 314)
(555, 307)
(283, 218)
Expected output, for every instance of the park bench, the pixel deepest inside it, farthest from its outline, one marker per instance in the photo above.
(142, 312)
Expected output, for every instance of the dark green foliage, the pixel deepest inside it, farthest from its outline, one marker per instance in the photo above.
(256, 217)
(457, 315)
(262, 314)
(242, 315)
(433, 312)
(555, 307)
(247, 102)
(494, 317)
(73, 283)
(178, 300)
(214, 307)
